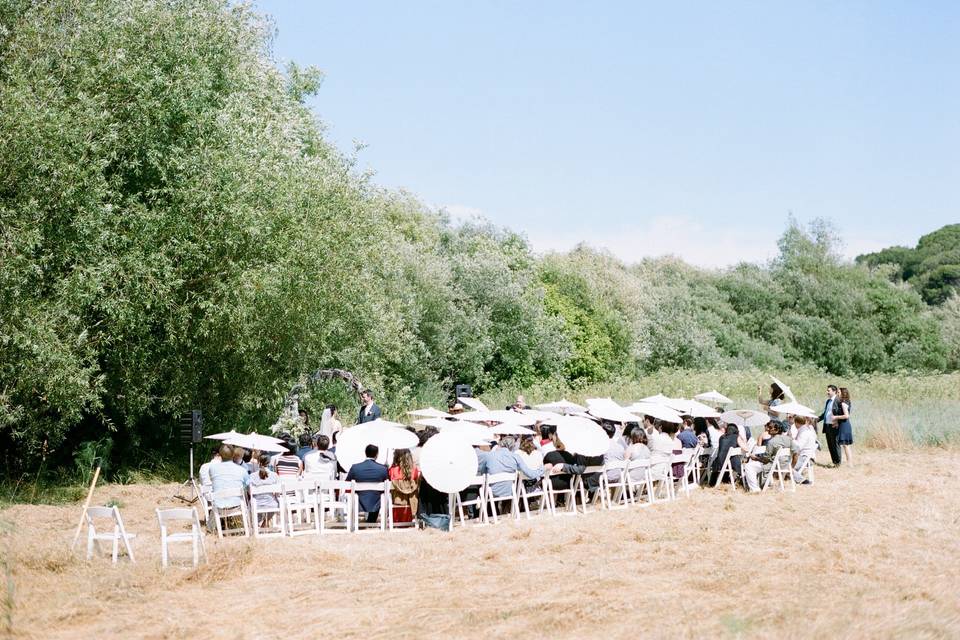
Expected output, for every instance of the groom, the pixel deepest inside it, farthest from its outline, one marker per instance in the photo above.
(369, 411)
(830, 429)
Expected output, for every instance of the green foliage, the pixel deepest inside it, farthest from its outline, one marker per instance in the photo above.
(932, 268)
(178, 233)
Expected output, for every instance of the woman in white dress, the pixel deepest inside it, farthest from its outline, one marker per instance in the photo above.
(329, 424)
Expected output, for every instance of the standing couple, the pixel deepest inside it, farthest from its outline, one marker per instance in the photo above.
(836, 424)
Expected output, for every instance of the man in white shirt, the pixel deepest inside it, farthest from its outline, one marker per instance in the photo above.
(805, 446)
(320, 463)
(205, 467)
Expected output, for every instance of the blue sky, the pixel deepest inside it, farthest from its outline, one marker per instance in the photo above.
(690, 128)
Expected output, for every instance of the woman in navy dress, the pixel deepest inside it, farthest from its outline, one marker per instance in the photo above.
(841, 413)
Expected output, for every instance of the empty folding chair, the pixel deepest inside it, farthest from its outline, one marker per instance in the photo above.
(227, 505)
(569, 494)
(115, 537)
(661, 480)
(301, 507)
(615, 490)
(356, 508)
(194, 536)
(691, 461)
(479, 482)
(267, 512)
(780, 467)
(491, 501)
(580, 481)
(334, 499)
(205, 508)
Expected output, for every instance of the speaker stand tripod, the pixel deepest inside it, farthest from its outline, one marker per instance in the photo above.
(189, 485)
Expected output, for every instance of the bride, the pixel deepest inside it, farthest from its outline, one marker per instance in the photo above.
(329, 424)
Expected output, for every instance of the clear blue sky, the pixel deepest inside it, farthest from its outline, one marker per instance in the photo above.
(690, 128)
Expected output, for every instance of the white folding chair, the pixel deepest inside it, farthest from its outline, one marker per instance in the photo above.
(636, 486)
(780, 467)
(221, 514)
(579, 485)
(480, 483)
(335, 499)
(727, 466)
(540, 494)
(805, 465)
(611, 494)
(490, 501)
(691, 462)
(116, 536)
(204, 497)
(268, 522)
(355, 509)
(569, 495)
(661, 481)
(301, 507)
(194, 536)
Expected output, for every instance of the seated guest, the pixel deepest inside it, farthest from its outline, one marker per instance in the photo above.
(228, 475)
(369, 471)
(804, 446)
(288, 465)
(306, 445)
(320, 463)
(726, 442)
(660, 443)
(676, 447)
(763, 462)
(545, 443)
(563, 465)
(532, 457)
(637, 450)
(503, 459)
(248, 461)
(264, 476)
(205, 467)
(405, 480)
(688, 439)
(615, 453)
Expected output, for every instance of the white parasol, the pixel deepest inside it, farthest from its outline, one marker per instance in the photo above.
(563, 406)
(794, 408)
(473, 403)
(429, 412)
(745, 418)
(256, 441)
(657, 399)
(499, 415)
(224, 435)
(713, 396)
(583, 436)
(699, 410)
(785, 389)
(607, 409)
(655, 410)
(439, 423)
(546, 417)
(448, 462)
(352, 443)
(511, 429)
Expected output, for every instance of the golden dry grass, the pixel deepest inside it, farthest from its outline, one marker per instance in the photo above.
(870, 552)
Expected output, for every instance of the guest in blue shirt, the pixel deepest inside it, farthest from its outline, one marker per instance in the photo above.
(504, 460)
(687, 437)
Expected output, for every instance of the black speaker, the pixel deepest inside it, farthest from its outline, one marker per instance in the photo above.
(191, 427)
(463, 391)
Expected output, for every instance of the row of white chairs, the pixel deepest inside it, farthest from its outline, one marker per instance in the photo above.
(116, 534)
(300, 506)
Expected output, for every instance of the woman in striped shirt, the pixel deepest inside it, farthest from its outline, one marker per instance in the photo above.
(289, 465)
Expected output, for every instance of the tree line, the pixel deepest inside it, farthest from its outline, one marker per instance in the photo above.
(178, 232)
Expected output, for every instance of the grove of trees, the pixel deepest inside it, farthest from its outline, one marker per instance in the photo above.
(177, 232)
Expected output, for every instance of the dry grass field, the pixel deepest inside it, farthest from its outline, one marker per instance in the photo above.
(870, 552)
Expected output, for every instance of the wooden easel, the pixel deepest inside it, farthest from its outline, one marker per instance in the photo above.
(93, 483)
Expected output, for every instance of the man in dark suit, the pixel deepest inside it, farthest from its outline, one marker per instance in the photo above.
(369, 471)
(830, 429)
(369, 411)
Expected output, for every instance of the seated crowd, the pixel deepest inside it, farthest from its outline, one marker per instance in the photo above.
(539, 459)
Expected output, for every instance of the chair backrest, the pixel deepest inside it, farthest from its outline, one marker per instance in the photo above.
(371, 486)
(236, 492)
(592, 469)
(168, 515)
(101, 512)
(642, 463)
(733, 451)
(507, 476)
(615, 465)
(274, 489)
(292, 484)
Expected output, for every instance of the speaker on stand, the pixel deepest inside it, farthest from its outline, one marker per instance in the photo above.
(191, 433)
